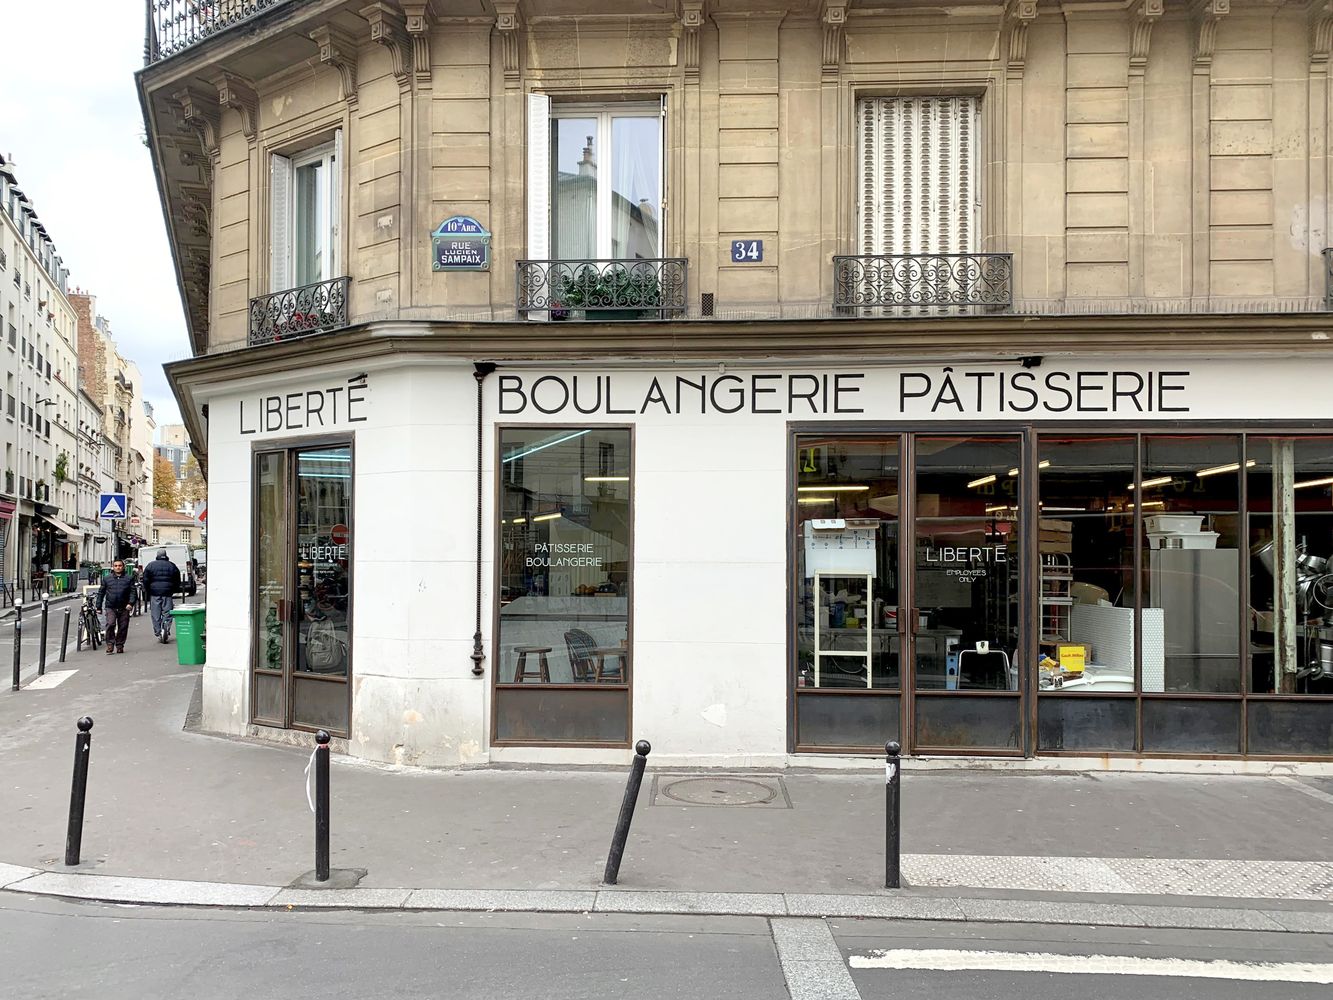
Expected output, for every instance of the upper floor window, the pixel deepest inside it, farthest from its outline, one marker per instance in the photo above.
(595, 180)
(185, 536)
(919, 183)
(307, 207)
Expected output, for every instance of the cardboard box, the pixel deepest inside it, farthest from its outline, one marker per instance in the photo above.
(1073, 657)
(1055, 536)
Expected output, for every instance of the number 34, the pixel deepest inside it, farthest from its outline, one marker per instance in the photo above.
(747, 251)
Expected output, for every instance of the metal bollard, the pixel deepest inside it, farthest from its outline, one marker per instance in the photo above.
(41, 644)
(18, 645)
(83, 743)
(892, 816)
(641, 751)
(18, 611)
(321, 806)
(64, 636)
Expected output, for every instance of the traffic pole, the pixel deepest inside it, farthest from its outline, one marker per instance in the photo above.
(83, 743)
(892, 816)
(41, 644)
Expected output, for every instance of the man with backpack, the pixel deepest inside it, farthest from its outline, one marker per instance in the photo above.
(161, 579)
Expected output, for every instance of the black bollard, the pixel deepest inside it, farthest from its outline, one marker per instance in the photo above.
(641, 751)
(41, 644)
(321, 806)
(64, 636)
(83, 743)
(892, 815)
(18, 644)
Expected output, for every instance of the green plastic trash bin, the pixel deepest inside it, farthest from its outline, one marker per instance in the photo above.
(189, 619)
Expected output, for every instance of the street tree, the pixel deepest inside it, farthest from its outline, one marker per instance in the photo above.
(165, 492)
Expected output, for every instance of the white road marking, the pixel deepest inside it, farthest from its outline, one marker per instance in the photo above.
(52, 678)
(1300, 786)
(949, 960)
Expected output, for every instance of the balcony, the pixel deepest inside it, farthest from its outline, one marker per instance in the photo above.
(299, 312)
(655, 288)
(913, 283)
(175, 25)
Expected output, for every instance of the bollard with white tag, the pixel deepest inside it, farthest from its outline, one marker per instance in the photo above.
(321, 806)
(892, 816)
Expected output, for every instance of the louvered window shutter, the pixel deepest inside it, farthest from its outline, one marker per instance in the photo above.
(918, 159)
(280, 229)
(539, 176)
(336, 205)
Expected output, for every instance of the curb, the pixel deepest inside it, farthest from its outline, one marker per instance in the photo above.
(21, 880)
(8, 613)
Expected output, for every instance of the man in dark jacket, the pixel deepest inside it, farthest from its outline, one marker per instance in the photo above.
(161, 578)
(116, 592)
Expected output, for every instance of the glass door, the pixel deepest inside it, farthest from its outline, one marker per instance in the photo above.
(965, 617)
(303, 518)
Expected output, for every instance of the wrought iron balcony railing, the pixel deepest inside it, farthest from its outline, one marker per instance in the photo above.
(961, 282)
(299, 312)
(1328, 279)
(656, 288)
(175, 25)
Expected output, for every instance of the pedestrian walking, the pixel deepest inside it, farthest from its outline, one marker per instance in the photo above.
(161, 579)
(115, 594)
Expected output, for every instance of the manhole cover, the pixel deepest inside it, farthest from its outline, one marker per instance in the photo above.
(723, 791)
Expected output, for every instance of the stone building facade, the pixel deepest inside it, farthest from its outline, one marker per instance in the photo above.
(742, 245)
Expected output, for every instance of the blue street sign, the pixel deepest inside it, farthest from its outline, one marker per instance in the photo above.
(112, 506)
(461, 243)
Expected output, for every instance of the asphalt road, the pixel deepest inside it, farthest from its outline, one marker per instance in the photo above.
(70, 950)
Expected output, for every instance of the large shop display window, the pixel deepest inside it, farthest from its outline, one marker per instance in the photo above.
(1145, 593)
(563, 664)
(303, 588)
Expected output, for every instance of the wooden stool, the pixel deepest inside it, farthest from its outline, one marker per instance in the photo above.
(543, 671)
(617, 671)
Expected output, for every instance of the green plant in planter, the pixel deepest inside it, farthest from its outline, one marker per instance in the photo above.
(619, 292)
(62, 468)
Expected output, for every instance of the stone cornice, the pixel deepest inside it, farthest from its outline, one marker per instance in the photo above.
(199, 109)
(388, 28)
(339, 50)
(1146, 13)
(1206, 14)
(237, 93)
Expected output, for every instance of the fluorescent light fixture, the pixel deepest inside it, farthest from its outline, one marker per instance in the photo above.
(545, 444)
(815, 499)
(1159, 481)
(546, 517)
(998, 507)
(606, 479)
(1045, 463)
(1234, 466)
(312, 456)
(984, 480)
(520, 520)
(1064, 509)
(1327, 481)
(1150, 503)
(831, 489)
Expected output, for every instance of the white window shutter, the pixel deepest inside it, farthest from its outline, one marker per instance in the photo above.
(336, 206)
(919, 175)
(280, 230)
(539, 176)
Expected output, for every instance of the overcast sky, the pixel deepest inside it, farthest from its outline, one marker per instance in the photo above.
(70, 119)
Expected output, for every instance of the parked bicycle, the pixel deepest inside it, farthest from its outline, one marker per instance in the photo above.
(90, 626)
(139, 599)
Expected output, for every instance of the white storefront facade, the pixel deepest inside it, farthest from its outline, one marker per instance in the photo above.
(758, 565)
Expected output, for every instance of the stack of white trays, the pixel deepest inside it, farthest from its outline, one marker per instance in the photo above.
(1178, 531)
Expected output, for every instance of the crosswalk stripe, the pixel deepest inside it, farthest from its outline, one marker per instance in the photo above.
(950, 960)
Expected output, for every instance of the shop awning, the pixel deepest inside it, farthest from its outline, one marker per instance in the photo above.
(62, 527)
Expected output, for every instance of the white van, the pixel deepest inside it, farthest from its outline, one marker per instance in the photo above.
(178, 554)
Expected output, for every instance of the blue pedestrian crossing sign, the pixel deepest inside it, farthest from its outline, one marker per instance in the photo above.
(112, 506)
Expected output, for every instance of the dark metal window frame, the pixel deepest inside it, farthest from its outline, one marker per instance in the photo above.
(1031, 432)
(289, 447)
(497, 575)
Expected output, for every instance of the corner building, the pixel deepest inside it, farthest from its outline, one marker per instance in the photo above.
(765, 379)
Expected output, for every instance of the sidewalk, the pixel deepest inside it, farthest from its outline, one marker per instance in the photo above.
(34, 606)
(164, 803)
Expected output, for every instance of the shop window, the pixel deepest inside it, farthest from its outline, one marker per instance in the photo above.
(1190, 501)
(306, 214)
(919, 190)
(1290, 518)
(595, 179)
(563, 662)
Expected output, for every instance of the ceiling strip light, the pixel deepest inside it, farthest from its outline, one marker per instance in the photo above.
(1328, 481)
(832, 489)
(545, 444)
(1159, 481)
(1233, 467)
(546, 517)
(815, 499)
(606, 479)
(983, 481)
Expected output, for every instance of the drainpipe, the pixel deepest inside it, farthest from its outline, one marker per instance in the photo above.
(480, 370)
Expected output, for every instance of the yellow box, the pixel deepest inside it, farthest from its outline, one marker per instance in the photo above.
(1072, 658)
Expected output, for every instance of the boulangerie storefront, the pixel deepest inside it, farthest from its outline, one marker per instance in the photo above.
(743, 564)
